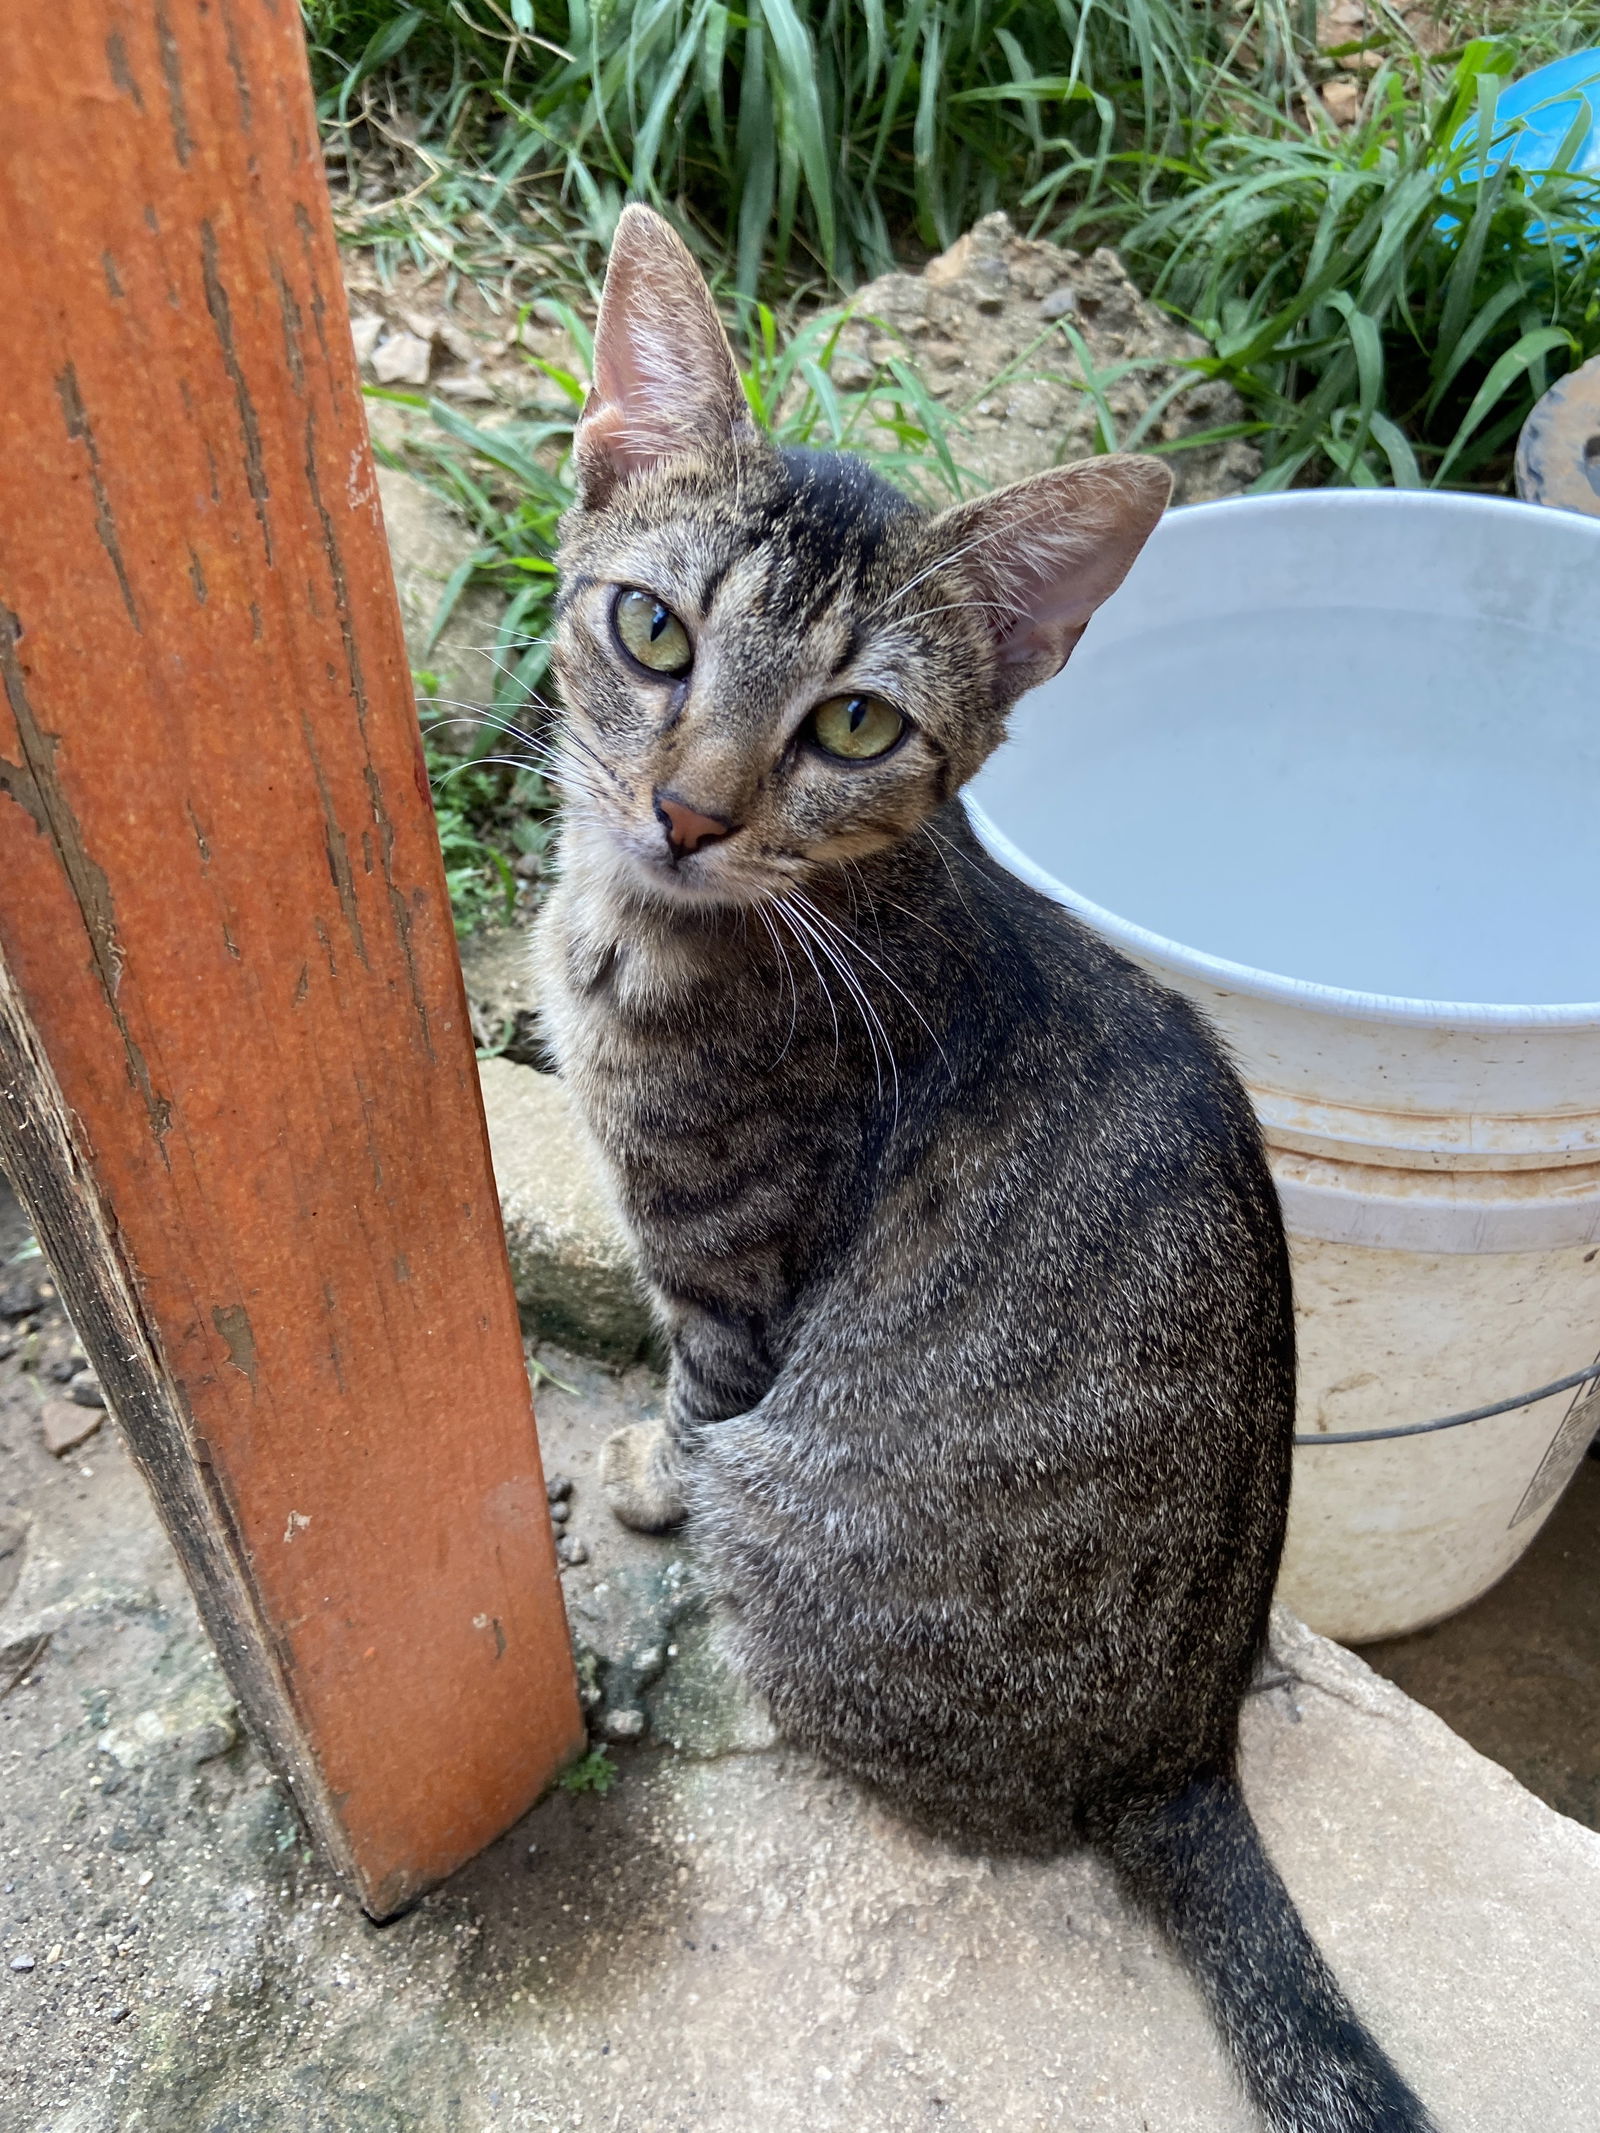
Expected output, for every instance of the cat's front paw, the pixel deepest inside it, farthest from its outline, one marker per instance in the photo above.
(638, 1472)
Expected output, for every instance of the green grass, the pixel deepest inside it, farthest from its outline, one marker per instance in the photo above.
(809, 138)
(1388, 313)
(1370, 342)
(594, 1772)
(486, 818)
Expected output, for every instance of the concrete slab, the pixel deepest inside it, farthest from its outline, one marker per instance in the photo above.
(728, 1937)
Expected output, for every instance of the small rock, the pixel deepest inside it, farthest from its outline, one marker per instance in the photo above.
(571, 1549)
(620, 1725)
(572, 1264)
(402, 359)
(25, 1289)
(1060, 303)
(852, 374)
(560, 1513)
(22, 1962)
(460, 344)
(547, 313)
(1342, 101)
(118, 2014)
(471, 386)
(64, 1425)
(1033, 402)
(365, 333)
(216, 1737)
(590, 1692)
(558, 1487)
(84, 1389)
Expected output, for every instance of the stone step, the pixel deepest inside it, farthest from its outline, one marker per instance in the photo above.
(570, 1261)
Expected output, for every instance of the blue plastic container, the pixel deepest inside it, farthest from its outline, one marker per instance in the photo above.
(1542, 108)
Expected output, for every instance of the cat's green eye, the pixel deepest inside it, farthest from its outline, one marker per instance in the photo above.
(651, 633)
(855, 727)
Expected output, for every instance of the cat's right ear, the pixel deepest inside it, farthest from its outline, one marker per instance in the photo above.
(665, 381)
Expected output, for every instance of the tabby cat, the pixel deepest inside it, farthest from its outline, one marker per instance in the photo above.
(958, 1225)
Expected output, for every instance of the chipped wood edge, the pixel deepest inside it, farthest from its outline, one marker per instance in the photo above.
(41, 1152)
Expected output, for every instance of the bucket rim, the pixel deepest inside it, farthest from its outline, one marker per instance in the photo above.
(1579, 525)
(1273, 985)
(1278, 986)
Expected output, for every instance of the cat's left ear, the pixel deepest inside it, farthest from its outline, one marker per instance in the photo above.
(1047, 551)
(665, 381)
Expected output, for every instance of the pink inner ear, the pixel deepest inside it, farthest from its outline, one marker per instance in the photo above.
(1057, 605)
(664, 376)
(1032, 637)
(1056, 546)
(608, 433)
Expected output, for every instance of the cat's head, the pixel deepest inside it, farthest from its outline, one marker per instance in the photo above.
(771, 661)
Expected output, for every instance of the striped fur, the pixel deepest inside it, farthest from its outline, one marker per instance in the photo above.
(981, 1397)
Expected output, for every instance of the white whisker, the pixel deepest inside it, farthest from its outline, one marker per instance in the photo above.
(939, 563)
(821, 979)
(502, 644)
(941, 845)
(477, 717)
(888, 977)
(871, 1020)
(794, 994)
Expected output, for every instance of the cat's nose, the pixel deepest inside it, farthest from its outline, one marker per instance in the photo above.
(686, 827)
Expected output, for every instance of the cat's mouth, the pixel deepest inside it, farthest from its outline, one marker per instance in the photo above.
(720, 874)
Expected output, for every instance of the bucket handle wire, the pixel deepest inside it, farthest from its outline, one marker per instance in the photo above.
(1473, 1414)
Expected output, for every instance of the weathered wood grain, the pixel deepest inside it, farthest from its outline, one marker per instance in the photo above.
(237, 1084)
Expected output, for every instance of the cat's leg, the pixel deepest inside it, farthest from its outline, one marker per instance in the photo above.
(717, 1371)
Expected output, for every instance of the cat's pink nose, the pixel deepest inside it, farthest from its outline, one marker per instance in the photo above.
(687, 829)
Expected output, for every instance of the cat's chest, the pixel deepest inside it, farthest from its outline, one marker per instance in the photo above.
(659, 1042)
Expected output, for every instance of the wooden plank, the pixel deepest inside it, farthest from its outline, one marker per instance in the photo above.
(237, 1083)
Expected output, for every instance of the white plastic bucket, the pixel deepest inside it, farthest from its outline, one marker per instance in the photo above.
(1329, 762)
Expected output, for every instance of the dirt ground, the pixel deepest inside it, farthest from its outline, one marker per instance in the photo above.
(1518, 1673)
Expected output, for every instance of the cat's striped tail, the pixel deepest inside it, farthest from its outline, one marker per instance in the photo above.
(1196, 1864)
